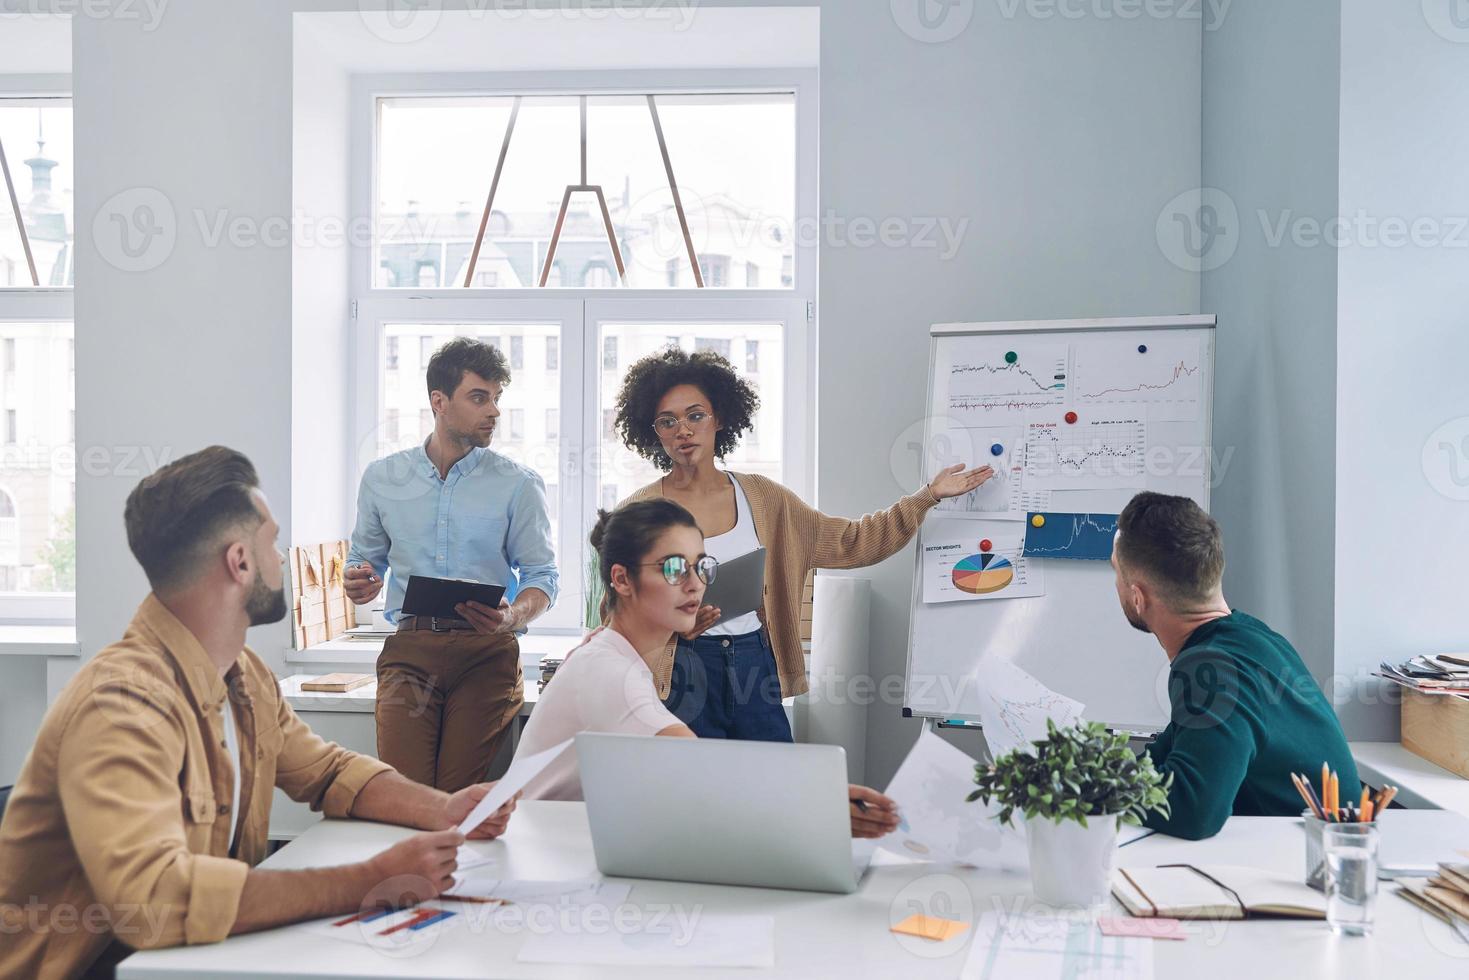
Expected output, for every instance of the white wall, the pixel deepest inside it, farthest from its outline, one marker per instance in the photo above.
(192, 345)
(321, 448)
(1060, 142)
(1275, 404)
(1402, 344)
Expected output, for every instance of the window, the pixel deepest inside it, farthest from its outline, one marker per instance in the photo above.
(719, 345)
(493, 340)
(715, 269)
(36, 251)
(425, 423)
(391, 357)
(37, 379)
(742, 185)
(390, 426)
(426, 347)
(733, 158)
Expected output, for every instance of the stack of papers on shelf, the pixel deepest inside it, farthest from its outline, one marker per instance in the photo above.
(1444, 673)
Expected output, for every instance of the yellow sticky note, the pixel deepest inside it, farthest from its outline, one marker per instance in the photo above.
(930, 927)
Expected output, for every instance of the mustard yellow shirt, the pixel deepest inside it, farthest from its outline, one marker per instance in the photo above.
(117, 835)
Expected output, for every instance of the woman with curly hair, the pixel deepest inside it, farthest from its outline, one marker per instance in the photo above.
(726, 678)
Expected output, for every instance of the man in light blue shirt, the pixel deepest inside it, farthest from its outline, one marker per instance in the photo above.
(448, 690)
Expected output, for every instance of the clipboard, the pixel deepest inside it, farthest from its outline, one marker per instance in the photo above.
(437, 597)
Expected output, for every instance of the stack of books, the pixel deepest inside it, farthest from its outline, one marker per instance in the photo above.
(1445, 895)
(1444, 673)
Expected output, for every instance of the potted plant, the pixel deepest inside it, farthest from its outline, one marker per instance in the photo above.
(1075, 787)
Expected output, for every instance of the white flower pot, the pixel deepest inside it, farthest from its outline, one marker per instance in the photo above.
(1071, 865)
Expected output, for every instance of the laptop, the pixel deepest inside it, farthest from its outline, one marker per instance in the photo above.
(762, 814)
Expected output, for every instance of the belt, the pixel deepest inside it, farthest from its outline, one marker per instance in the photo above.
(432, 623)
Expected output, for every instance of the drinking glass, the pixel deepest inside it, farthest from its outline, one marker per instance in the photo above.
(1351, 876)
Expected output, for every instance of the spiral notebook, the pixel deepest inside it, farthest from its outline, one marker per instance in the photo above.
(1215, 891)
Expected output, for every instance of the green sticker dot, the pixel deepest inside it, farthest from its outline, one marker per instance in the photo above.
(1011, 357)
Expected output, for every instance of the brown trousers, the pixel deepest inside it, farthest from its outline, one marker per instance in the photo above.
(445, 702)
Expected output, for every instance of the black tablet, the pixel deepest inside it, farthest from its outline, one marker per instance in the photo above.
(437, 597)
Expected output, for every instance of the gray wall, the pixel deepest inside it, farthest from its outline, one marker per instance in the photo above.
(1275, 156)
(1059, 142)
(1402, 436)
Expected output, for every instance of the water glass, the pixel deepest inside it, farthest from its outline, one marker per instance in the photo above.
(1315, 853)
(1351, 876)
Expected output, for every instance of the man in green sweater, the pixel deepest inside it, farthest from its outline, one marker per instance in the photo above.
(1244, 711)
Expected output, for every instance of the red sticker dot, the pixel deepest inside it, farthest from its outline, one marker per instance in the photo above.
(986, 545)
(1071, 418)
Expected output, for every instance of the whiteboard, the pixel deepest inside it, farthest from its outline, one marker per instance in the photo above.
(998, 391)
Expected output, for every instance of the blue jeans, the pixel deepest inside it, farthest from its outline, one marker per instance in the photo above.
(728, 687)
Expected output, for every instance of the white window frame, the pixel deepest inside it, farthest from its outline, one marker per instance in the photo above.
(32, 304)
(580, 310)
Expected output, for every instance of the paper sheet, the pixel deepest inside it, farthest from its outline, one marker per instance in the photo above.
(1013, 706)
(521, 772)
(938, 825)
(687, 939)
(1053, 946)
(577, 892)
(1102, 450)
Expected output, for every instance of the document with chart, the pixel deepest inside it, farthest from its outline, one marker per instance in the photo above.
(966, 561)
(1088, 449)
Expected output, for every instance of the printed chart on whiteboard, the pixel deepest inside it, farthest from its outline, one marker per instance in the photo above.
(968, 560)
(1163, 376)
(1102, 450)
(989, 383)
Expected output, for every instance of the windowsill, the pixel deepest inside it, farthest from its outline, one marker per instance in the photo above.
(39, 641)
(364, 653)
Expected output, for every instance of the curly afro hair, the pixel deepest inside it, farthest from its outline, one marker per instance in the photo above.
(733, 400)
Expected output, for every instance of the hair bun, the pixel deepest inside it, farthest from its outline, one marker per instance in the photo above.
(599, 530)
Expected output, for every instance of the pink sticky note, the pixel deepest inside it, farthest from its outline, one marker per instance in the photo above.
(1142, 928)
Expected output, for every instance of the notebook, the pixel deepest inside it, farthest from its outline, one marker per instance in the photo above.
(1215, 891)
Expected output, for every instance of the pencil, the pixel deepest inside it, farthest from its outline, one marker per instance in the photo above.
(1325, 786)
(1296, 782)
(1320, 807)
(1366, 798)
(1335, 803)
(1387, 797)
(1367, 812)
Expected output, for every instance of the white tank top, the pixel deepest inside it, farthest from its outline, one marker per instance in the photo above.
(738, 540)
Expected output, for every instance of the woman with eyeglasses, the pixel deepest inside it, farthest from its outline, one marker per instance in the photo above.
(726, 678)
(654, 570)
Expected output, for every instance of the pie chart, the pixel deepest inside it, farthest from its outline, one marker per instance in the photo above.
(983, 574)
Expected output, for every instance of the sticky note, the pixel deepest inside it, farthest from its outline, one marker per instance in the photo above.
(930, 927)
(1142, 928)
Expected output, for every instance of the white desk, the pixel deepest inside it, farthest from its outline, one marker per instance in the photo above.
(1420, 783)
(820, 935)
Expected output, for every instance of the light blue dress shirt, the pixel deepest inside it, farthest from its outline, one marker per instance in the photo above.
(485, 522)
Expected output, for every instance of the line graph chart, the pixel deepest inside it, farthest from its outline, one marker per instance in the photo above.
(1165, 375)
(987, 381)
(1082, 537)
(1098, 452)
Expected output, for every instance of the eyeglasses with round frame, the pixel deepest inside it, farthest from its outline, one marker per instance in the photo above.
(696, 419)
(676, 568)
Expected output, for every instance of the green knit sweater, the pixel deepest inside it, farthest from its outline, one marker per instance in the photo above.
(1245, 714)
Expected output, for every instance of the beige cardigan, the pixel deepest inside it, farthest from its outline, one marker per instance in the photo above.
(797, 539)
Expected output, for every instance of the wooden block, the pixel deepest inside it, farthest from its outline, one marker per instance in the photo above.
(1436, 727)
(337, 683)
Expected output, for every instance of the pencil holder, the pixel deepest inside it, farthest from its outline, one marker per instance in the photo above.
(1315, 851)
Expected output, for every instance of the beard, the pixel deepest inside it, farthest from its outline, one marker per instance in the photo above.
(265, 605)
(1134, 621)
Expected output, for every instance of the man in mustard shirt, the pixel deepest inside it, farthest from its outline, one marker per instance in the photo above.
(143, 806)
